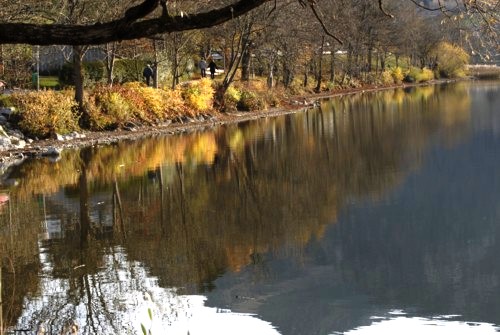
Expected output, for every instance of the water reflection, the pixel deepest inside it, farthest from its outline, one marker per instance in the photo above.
(264, 218)
(416, 325)
(121, 298)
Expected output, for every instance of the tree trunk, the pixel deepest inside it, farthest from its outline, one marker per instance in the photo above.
(349, 59)
(287, 75)
(369, 57)
(270, 78)
(319, 76)
(306, 77)
(78, 52)
(245, 61)
(175, 60)
(382, 62)
(332, 65)
(175, 69)
(155, 65)
(422, 62)
(110, 62)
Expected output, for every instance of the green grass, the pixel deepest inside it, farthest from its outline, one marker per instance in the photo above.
(51, 82)
(390, 62)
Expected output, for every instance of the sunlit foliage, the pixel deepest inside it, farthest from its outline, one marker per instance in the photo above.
(418, 75)
(397, 74)
(451, 60)
(387, 78)
(45, 113)
(198, 95)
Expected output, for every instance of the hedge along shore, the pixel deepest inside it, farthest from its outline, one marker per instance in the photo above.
(53, 147)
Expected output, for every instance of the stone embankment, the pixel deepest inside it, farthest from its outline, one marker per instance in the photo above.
(13, 141)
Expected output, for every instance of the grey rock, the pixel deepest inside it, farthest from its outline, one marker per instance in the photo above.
(15, 133)
(19, 144)
(5, 141)
(52, 151)
(74, 135)
(7, 111)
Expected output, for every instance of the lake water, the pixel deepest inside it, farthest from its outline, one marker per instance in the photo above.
(377, 213)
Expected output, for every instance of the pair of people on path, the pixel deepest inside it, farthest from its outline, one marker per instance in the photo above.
(203, 68)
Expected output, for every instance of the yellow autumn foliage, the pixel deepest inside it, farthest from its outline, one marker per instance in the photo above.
(198, 95)
(386, 78)
(397, 75)
(44, 113)
(451, 60)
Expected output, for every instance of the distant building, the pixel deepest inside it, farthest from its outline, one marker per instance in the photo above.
(215, 55)
(52, 58)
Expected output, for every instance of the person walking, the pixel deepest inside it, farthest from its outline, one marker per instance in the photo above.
(212, 66)
(203, 67)
(148, 73)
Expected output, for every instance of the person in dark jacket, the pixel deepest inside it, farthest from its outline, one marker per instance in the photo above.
(212, 66)
(148, 73)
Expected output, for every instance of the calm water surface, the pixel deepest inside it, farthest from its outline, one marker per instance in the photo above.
(377, 213)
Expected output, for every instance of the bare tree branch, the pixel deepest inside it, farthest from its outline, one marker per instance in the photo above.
(100, 33)
(320, 20)
(382, 9)
(137, 12)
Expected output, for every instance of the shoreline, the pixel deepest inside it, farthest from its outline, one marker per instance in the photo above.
(53, 147)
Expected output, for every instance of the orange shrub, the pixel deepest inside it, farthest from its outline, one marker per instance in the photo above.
(44, 113)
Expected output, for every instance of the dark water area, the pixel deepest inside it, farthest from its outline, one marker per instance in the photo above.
(376, 213)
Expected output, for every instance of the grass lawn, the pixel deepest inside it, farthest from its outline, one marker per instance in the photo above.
(51, 82)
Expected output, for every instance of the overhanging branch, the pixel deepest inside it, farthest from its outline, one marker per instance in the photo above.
(320, 20)
(100, 33)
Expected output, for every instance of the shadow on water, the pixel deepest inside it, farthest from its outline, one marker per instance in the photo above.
(292, 218)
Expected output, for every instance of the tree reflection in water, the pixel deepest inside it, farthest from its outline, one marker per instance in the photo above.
(165, 217)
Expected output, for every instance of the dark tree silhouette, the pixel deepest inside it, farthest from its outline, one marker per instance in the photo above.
(135, 23)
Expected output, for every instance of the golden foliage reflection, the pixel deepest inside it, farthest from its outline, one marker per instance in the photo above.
(196, 205)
